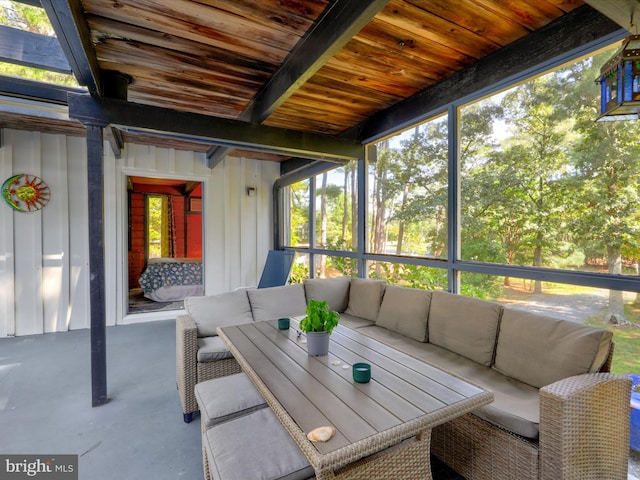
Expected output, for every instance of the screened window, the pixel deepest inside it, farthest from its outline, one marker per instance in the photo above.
(408, 193)
(543, 184)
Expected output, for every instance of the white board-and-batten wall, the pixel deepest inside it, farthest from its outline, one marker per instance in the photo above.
(44, 255)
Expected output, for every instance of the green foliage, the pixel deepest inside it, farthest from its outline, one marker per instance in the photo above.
(299, 213)
(345, 266)
(32, 19)
(25, 17)
(485, 287)
(541, 184)
(319, 317)
(299, 271)
(154, 225)
(414, 276)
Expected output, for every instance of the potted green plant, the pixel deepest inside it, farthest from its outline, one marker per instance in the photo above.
(318, 325)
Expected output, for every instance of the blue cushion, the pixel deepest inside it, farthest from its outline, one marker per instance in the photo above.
(254, 447)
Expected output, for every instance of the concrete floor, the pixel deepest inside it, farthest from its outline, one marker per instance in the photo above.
(45, 405)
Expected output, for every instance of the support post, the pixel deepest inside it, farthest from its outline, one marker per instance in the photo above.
(95, 169)
(453, 226)
(363, 171)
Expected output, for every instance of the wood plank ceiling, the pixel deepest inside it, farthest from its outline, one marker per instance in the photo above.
(214, 56)
(219, 57)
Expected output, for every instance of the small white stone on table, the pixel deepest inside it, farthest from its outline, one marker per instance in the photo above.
(321, 434)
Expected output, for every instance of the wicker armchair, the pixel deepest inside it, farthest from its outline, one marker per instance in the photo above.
(189, 371)
(584, 434)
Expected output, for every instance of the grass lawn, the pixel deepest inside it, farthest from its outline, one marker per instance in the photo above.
(626, 357)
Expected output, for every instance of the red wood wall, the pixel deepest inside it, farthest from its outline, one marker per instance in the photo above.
(187, 228)
(136, 238)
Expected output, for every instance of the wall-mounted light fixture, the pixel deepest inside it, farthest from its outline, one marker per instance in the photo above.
(620, 83)
(251, 191)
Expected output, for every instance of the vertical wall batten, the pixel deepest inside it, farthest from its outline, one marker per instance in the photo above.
(78, 312)
(44, 256)
(28, 242)
(7, 248)
(55, 225)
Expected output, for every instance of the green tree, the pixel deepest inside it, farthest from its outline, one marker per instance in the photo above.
(299, 213)
(606, 157)
(32, 19)
(490, 233)
(535, 163)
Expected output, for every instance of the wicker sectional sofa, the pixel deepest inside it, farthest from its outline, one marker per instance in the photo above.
(557, 413)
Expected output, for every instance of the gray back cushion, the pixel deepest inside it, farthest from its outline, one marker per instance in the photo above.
(275, 302)
(539, 350)
(365, 297)
(405, 310)
(212, 311)
(464, 325)
(334, 290)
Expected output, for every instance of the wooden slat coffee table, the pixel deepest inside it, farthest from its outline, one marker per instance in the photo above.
(382, 427)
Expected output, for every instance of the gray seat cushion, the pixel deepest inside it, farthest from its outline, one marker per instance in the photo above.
(354, 322)
(516, 405)
(211, 349)
(254, 447)
(225, 398)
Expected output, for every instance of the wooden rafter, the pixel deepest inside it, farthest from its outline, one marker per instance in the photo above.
(338, 24)
(33, 90)
(570, 32)
(67, 19)
(32, 50)
(232, 133)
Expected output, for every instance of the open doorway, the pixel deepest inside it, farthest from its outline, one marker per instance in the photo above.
(164, 243)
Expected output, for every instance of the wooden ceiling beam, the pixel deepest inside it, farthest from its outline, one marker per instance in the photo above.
(70, 25)
(229, 133)
(114, 137)
(625, 13)
(335, 27)
(578, 29)
(32, 50)
(34, 90)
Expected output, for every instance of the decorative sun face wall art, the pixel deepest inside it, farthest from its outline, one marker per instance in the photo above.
(25, 193)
